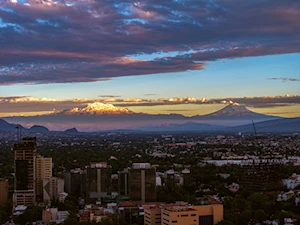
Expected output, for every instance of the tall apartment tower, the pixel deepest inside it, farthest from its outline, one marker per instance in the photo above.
(123, 182)
(98, 181)
(75, 182)
(25, 178)
(43, 170)
(3, 191)
(142, 182)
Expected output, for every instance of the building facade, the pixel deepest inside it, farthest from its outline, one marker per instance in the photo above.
(123, 182)
(142, 182)
(75, 182)
(3, 191)
(181, 214)
(25, 177)
(43, 170)
(52, 187)
(98, 181)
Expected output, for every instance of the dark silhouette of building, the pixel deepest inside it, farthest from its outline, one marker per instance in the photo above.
(98, 182)
(25, 174)
(73, 182)
(262, 175)
(123, 182)
(142, 182)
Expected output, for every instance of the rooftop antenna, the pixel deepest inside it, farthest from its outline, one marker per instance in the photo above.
(254, 128)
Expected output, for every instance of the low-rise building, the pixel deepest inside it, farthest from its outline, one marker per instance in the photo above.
(184, 214)
(292, 182)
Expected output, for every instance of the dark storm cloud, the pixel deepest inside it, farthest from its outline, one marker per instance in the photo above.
(57, 41)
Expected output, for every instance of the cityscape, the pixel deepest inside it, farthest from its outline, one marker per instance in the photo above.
(174, 112)
(148, 178)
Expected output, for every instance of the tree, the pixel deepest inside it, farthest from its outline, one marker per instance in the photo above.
(225, 222)
(245, 216)
(259, 215)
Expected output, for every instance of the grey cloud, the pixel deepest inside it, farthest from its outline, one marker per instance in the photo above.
(285, 79)
(83, 41)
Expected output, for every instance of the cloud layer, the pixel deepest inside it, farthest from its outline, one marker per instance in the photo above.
(58, 41)
(17, 104)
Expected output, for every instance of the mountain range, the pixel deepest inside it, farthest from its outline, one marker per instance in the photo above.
(99, 116)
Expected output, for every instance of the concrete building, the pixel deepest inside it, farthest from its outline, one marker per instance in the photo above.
(3, 191)
(55, 216)
(142, 182)
(182, 214)
(25, 177)
(43, 170)
(75, 182)
(123, 182)
(98, 181)
(131, 212)
(186, 175)
(52, 187)
(62, 196)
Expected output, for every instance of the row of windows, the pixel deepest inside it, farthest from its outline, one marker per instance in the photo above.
(166, 219)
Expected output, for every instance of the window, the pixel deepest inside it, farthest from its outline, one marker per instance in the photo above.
(184, 215)
(206, 220)
(174, 221)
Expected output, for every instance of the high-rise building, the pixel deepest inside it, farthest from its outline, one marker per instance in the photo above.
(43, 170)
(142, 182)
(52, 187)
(186, 175)
(3, 191)
(25, 178)
(123, 182)
(74, 181)
(98, 181)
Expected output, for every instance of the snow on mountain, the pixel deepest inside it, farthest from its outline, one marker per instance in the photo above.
(96, 108)
(236, 111)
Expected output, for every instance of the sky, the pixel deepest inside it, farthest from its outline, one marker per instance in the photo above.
(159, 57)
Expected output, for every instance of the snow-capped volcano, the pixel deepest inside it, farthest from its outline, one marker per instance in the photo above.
(236, 111)
(97, 108)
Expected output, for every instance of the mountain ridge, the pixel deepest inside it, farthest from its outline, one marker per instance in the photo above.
(100, 116)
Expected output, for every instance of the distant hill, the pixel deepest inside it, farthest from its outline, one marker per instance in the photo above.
(71, 131)
(38, 129)
(5, 126)
(286, 125)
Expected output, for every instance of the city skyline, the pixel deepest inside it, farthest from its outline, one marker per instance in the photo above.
(186, 57)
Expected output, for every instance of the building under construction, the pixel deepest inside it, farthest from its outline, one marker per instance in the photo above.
(262, 175)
